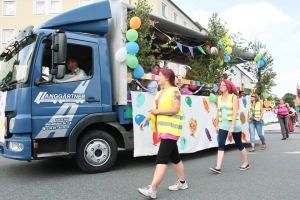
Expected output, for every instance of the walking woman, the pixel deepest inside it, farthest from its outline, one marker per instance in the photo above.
(282, 111)
(166, 120)
(255, 114)
(228, 123)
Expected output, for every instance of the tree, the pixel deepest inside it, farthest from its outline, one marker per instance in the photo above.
(265, 75)
(290, 98)
(209, 68)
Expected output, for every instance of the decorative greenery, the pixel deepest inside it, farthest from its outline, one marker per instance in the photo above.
(265, 76)
(147, 36)
(207, 68)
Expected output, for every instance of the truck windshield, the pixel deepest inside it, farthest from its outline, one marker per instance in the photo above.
(16, 59)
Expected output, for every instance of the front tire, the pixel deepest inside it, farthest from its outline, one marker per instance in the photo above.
(97, 151)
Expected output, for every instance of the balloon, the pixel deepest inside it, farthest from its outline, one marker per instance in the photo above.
(244, 102)
(208, 134)
(183, 142)
(229, 50)
(207, 47)
(132, 35)
(226, 58)
(242, 118)
(221, 63)
(213, 50)
(255, 59)
(188, 101)
(132, 47)
(228, 42)
(128, 112)
(132, 61)
(222, 44)
(231, 71)
(226, 35)
(140, 99)
(262, 51)
(138, 72)
(135, 22)
(121, 54)
(205, 104)
(193, 126)
(139, 118)
(212, 98)
(193, 87)
(156, 138)
(263, 59)
(214, 122)
(258, 56)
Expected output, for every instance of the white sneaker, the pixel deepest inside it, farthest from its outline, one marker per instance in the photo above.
(178, 186)
(148, 192)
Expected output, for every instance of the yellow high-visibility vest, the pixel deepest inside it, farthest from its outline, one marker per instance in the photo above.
(229, 108)
(257, 112)
(171, 124)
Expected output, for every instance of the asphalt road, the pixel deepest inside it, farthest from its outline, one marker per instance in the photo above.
(274, 174)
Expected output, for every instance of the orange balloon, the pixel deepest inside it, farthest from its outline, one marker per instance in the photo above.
(135, 22)
(205, 104)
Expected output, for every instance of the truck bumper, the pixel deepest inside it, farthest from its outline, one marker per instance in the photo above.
(20, 154)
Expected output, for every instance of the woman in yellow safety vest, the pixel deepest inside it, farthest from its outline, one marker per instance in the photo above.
(166, 120)
(228, 123)
(255, 114)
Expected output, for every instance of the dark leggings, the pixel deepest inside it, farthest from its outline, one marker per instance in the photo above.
(168, 149)
(237, 136)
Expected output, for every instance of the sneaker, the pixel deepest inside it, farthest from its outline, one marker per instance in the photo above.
(244, 168)
(218, 171)
(287, 135)
(178, 186)
(284, 138)
(148, 192)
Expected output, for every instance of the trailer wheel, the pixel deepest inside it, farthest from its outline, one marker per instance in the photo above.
(97, 152)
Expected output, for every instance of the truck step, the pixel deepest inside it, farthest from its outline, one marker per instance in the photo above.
(52, 154)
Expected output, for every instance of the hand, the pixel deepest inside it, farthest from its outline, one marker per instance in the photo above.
(142, 124)
(258, 119)
(217, 129)
(249, 120)
(154, 111)
(230, 131)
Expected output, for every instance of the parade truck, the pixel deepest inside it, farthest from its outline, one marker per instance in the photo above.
(43, 117)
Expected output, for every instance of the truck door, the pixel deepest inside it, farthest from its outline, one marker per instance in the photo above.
(58, 106)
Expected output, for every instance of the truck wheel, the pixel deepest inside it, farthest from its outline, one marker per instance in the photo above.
(97, 151)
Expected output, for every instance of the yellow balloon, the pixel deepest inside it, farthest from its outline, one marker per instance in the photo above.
(226, 35)
(229, 50)
(221, 63)
(255, 59)
(228, 42)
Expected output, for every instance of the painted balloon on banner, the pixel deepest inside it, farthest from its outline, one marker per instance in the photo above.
(188, 101)
(242, 117)
(183, 142)
(208, 134)
(244, 102)
(156, 138)
(140, 100)
(139, 118)
(193, 126)
(244, 137)
(205, 104)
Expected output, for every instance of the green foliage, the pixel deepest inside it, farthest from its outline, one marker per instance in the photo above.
(207, 68)
(289, 98)
(265, 76)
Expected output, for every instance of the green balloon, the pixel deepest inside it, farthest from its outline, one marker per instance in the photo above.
(132, 61)
(258, 56)
(265, 95)
(128, 112)
(212, 98)
(188, 100)
(132, 35)
(216, 88)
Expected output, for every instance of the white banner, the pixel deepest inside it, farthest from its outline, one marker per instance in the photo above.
(2, 115)
(198, 127)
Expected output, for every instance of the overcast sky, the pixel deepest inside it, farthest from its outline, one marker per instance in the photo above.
(275, 23)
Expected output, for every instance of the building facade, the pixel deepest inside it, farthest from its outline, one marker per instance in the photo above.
(240, 77)
(17, 14)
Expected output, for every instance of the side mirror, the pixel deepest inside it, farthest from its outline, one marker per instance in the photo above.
(59, 48)
(59, 71)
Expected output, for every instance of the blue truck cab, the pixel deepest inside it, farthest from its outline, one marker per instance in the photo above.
(46, 115)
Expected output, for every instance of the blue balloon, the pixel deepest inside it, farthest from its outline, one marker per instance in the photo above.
(138, 72)
(263, 59)
(139, 118)
(183, 142)
(140, 99)
(226, 58)
(132, 47)
(232, 71)
(260, 64)
(245, 102)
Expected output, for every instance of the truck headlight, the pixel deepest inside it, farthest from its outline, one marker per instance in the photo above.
(15, 146)
(11, 123)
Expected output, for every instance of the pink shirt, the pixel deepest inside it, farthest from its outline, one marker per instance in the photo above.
(166, 135)
(283, 111)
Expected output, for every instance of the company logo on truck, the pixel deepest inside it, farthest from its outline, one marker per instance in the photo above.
(60, 122)
(60, 98)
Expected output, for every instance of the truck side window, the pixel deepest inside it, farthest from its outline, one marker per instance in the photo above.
(79, 64)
